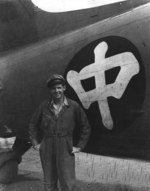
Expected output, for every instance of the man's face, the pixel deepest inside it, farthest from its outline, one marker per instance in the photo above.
(57, 91)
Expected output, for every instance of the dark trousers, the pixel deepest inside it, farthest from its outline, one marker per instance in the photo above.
(58, 163)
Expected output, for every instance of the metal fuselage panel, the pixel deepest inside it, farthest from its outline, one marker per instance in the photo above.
(23, 76)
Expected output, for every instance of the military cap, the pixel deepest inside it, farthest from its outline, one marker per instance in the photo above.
(55, 79)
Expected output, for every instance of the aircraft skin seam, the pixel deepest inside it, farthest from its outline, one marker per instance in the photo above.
(3, 59)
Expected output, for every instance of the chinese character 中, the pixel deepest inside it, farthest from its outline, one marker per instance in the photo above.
(129, 67)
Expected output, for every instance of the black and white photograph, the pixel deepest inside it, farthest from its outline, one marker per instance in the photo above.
(74, 95)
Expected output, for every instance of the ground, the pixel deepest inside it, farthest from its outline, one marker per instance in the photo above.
(93, 173)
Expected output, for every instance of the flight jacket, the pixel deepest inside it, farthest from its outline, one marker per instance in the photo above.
(44, 123)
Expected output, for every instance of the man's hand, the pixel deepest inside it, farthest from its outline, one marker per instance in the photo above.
(36, 147)
(76, 150)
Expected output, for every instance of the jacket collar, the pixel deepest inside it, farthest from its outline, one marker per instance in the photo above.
(65, 102)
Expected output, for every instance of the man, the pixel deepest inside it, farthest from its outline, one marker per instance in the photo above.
(56, 120)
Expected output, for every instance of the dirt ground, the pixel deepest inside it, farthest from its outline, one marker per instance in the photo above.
(93, 173)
